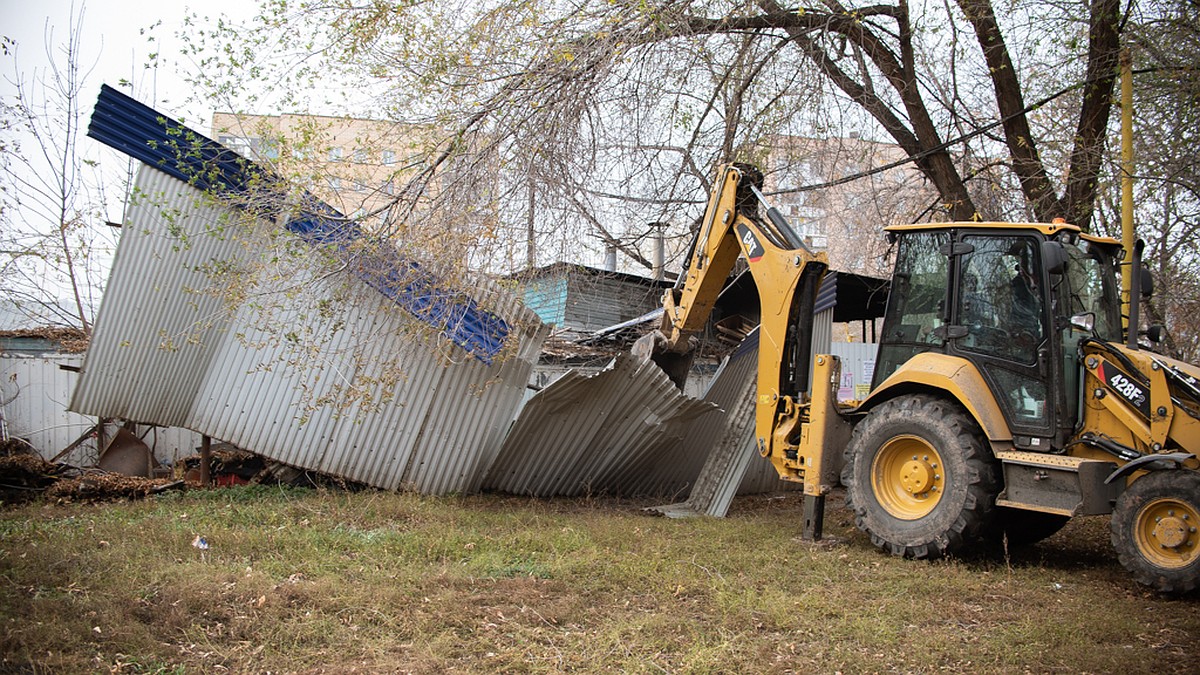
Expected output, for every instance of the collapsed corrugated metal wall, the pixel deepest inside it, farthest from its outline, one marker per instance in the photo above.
(334, 379)
(374, 373)
(627, 431)
(740, 368)
(594, 434)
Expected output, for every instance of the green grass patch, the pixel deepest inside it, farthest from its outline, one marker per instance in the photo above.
(312, 580)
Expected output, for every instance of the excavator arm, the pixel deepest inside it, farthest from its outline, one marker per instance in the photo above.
(787, 274)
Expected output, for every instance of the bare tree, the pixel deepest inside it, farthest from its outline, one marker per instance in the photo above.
(624, 106)
(54, 240)
(1166, 48)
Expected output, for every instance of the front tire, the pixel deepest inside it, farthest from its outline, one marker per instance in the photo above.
(919, 477)
(1154, 530)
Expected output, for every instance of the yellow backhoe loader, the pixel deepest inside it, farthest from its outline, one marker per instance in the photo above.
(1006, 397)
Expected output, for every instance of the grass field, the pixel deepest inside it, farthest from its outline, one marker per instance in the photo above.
(326, 581)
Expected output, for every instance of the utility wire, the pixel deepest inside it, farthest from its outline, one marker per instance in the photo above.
(935, 149)
(946, 144)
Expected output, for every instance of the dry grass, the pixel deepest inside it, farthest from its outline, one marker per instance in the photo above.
(314, 581)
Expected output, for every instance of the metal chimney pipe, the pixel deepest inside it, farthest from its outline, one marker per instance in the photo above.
(659, 250)
(610, 259)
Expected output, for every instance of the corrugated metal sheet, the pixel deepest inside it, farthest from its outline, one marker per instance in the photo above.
(192, 158)
(680, 467)
(677, 470)
(826, 293)
(595, 301)
(165, 350)
(674, 472)
(34, 392)
(858, 366)
(760, 475)
(594, 433)
(32, 395)
(152, 138)
(727, 462)
(582, 433)
(822, 332)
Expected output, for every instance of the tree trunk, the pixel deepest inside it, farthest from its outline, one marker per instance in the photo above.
(1026, 164)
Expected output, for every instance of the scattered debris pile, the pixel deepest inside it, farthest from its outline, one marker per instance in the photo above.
(228, 465)
(69, 340)
(231, 465)
(555, 348)
(106, 487)
(24, 475)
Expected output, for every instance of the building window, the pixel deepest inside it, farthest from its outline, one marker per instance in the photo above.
(389, 157)
(360, 156)
(335, 154)
(335, 183)
(245, 146)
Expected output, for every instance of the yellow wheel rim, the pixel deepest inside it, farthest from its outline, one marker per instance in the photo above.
(1165, 532)
(908, 477)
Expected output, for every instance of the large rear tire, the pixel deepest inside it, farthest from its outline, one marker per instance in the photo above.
(1154, 530)
(920, 478)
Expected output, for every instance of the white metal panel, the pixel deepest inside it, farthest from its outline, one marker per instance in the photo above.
(592, 433)
(243, 379)
(858, 366)
(33, 395)
(34, 392)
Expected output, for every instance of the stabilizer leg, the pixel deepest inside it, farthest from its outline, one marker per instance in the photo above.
(814, 517)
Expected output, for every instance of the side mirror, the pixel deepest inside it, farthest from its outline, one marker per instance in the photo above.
(1085, 321)
(1154, 333)
(1147, 284)
(1054, 257)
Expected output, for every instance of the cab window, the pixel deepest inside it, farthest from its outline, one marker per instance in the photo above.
(1000, 297)
(916, 303)
(1092, 287)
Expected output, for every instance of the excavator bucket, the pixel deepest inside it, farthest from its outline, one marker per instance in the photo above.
(676, 365)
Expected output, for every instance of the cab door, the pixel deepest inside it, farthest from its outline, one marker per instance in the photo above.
(1000, 323)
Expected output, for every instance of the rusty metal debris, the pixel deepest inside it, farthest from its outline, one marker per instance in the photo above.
(126, 454)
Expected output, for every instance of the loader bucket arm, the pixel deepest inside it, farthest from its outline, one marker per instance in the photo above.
(787, 275)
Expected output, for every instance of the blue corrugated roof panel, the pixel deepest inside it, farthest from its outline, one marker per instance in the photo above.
(148, 136)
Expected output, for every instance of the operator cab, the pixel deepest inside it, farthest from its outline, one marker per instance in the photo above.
(1012, 299)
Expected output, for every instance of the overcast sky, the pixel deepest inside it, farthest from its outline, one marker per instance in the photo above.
(114, 46)
(113, 40)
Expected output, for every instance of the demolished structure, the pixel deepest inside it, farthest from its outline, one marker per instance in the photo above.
(379, 372)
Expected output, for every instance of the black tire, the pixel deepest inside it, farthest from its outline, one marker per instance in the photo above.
(1022, 527)
(1154, 530)
(923, 508)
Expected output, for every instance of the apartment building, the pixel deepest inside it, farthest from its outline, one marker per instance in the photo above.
(355, 165)
(846, 219)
